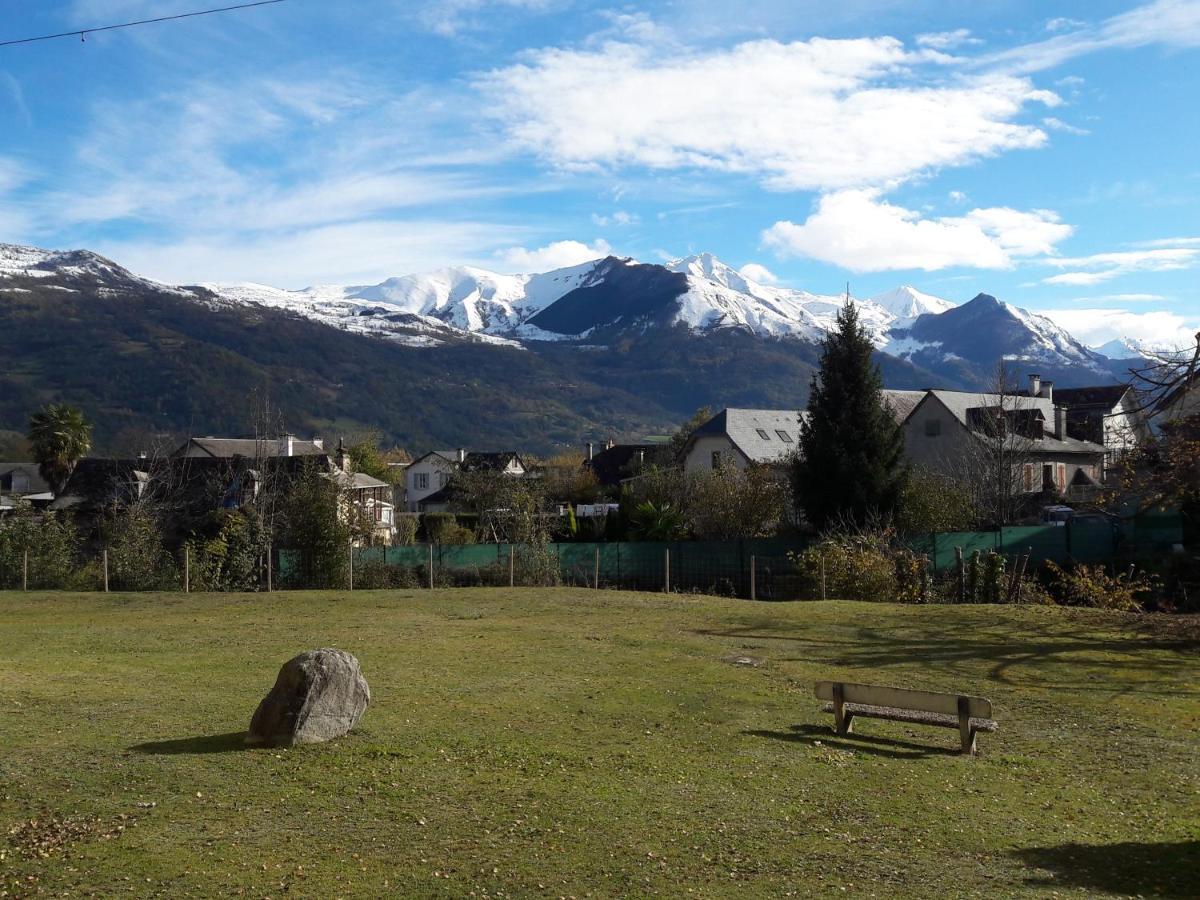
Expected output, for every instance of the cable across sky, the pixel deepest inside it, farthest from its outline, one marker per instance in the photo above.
(83, 32)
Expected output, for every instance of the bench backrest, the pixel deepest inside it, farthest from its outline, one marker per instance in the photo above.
(925, 701)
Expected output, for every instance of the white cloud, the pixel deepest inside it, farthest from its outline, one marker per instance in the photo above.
(557, 255)
(1171, 23)
(759, 273)
(1062, 23)
(1122, 298)
(947, 40)
(1056, 124)
(1170, 242)
(361, 252)
(858, 231)
(450, 18)
(818, 114)
(957, 196)
(1156, 328)
(1101, 267)
(620, 218)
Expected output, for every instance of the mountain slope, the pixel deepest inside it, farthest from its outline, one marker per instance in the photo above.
(968, 341)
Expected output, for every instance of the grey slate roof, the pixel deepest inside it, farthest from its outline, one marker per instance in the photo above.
(959, 402)
(227, 448)
(902, 403)
(36, 484)
(742, 427)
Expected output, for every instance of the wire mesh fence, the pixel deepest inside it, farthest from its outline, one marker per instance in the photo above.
(760, 569)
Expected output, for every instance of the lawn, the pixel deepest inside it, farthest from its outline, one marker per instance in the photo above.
(584, 743)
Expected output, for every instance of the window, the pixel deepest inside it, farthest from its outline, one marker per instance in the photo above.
(421, 481)
(1062, 478)
(933, 427)
(784, 436)
(762, 433)
(1029, 477)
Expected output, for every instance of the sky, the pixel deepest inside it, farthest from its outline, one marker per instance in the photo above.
(1041, 152)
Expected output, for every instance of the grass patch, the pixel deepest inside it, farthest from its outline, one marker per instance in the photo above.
(574, 742)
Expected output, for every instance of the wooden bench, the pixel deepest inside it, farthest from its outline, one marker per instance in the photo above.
(969, 715)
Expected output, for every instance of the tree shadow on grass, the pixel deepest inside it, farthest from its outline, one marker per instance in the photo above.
(208, 743)
(822, 735)
(1144, 870)
(1013, 655)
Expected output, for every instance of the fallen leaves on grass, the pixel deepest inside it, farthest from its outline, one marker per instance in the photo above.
(45, 837)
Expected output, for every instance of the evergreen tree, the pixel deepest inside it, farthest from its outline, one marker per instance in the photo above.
(851, 461)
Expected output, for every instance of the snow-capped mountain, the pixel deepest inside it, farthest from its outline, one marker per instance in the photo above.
(906, 303)
(984, 330)
(600, 300)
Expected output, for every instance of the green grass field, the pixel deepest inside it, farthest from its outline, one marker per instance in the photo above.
(582, 743)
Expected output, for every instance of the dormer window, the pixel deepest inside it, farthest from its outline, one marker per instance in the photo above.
(762, 433)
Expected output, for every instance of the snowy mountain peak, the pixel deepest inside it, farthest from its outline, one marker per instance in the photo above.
(906, 302)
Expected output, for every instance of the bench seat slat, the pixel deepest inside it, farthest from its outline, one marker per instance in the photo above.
(943, 720)
(900, 698)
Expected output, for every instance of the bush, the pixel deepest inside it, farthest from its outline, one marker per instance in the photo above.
(444, 528)
(406, 531)
(933, 502)
(1091, 586)
(51, 545)
(857, 567)
(229, 558)
(314, 526)
(137, 559)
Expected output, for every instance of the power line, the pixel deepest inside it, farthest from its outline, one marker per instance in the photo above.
(83, 32)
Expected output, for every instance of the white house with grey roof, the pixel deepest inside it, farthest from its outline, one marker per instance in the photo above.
(945, 428)
(741, 437)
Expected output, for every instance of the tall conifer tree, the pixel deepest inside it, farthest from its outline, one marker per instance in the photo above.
(851, 462)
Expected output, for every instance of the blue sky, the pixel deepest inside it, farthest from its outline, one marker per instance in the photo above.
(1042, 152)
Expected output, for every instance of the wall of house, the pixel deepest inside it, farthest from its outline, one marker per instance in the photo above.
(955, 452)
(1124, 427)
(700, 457)
(433, 471)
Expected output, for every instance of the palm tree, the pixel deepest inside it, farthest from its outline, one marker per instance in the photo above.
(60, 435)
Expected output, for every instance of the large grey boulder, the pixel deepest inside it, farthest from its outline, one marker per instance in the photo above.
(319, 695)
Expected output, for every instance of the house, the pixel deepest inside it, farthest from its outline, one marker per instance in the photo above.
(618, 462)
(428, 475)
(947, 431)
(249, 448)
(741, 437)
(744, 436)
(1109, 414)
(370, 498)
(22, 482)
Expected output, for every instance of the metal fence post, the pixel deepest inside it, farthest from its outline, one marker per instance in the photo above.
(431, 565)
(352, 564)
(106, 570)
(187, 573)
(667, 574)
(512, 557)
(25, 570)
(597, 567)
(753, 578)
(270, 566)
(822, 557)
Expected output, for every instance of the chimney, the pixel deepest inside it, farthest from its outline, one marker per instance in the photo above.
(319, 443)
(462, 454)
(341, 457)
(641, 457)
(1035, 385)
(609, 444)
(1047, 390)
(591, 450)
(1060, 422)
(288, 445)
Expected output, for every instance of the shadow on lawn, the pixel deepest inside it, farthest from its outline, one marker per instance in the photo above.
(822, 735)
(1144, 870)
(208, 743)
(1030, 648)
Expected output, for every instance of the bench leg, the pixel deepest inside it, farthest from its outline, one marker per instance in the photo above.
(965, 732)
(843, 722)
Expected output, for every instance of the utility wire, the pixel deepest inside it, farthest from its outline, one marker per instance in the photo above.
(83, 32)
